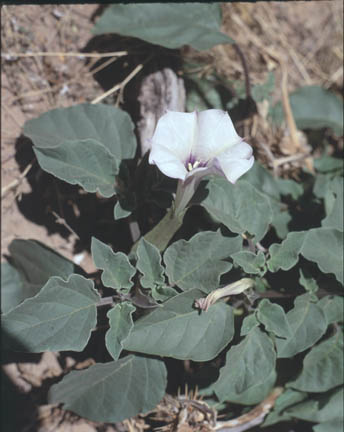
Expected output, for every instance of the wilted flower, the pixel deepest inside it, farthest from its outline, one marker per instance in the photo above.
(189, 146)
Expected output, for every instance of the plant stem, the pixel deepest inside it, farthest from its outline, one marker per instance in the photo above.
(162, 233)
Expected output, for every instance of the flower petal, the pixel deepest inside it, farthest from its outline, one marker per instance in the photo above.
(176, 131)
(216, 133)
(167, 162)
(236, 161)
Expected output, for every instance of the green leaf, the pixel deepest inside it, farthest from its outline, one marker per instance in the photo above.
(322, 366)
(33, 264)
(170, 25)
(307, 322)
(121, 324)
(328, 164)
(333, 307)
(149, 264)
(85, 163)
(12, 291)
(163, 293)
(249, 372)
(198, 262)
(286, 254)
(278, 414)
(83, 144)
(313, 108)
(334, 218)
(59, 318)
(241, 207)
(308, 283)
(249, 322)
(120, 212)
(327, 407)
(117, 270)
(261, 92)
(250, 262)
(178, 330)
(105, 124)
(325, 247)
(204, 93)
(114, 391)
(274, 319)
(329, 426)
(289, 187)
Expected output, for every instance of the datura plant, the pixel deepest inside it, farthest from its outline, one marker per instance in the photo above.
(206, 256)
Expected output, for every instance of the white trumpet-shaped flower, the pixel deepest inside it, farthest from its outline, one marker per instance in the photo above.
(188, 146)
(198, 143)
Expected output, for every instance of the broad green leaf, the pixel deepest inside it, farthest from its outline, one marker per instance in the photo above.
(241, 207)
(121, 324)
(288, 398)
(286, 254)
(307, 322)
(327, 407)
(274, 319)
(104, 124)
(83, 144)
(322, 366)
(33, 264)
(250, 262)
(85, 163)
(249, 372)
(120, 212)
(313, 108)
(333, 307)
(262, 180)
(117, 270)
(325, 247)
(308, 282)
(249, 322)
(273, 188)
(163, 293)
(329, 426)
(328, 164)
(12, 289)
(114, 391)
(178, 330)
(204, 93)
(289, 187)
(199, 262)
(170, 25)
(59, 318)
(149, 264)
(334, 218)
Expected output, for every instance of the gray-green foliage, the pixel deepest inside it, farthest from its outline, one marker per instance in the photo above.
(251, 263)
(83, 144)
(170, 25)
(313, 108)
(307, 323)
(32, 264)
(149, 264)
(121, 324)
(199, 262)
(177, 329)
(249, 372)
(114, 391)
(322, 366)
(59, 318)
(274, 318)
(241, 207)
(117, 270)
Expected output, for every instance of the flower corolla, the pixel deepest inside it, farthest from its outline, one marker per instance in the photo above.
(192, 145)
